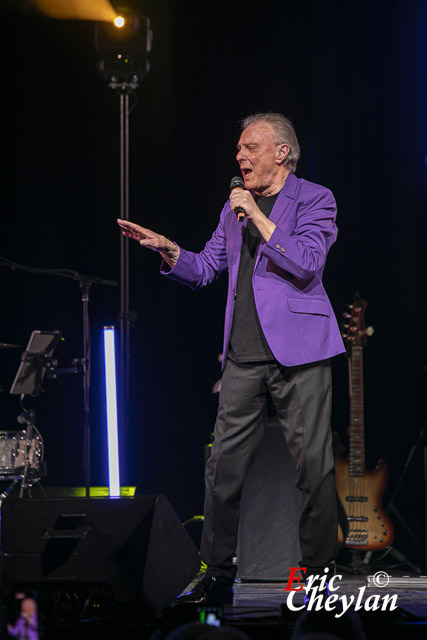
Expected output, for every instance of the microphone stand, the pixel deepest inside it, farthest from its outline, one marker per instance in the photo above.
(85, 283)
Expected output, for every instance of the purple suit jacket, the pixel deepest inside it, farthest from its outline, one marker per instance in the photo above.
(293, 308)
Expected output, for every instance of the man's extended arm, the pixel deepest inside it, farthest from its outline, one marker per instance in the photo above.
(154, 241)
(193, 269)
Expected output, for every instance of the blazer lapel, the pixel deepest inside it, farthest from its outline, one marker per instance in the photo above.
(284, 199)
(281, 206)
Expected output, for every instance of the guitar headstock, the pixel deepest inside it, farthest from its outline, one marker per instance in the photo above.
(354, 330)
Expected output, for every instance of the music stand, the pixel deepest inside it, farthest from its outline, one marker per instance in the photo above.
(35, 361)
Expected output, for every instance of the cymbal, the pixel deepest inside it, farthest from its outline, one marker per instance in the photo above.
(4, 345)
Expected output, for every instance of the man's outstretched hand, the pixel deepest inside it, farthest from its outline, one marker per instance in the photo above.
(152, 240)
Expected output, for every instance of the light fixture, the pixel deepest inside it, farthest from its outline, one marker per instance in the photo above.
(111, 405)
(122, 47)
(123, 62)
(119, 22)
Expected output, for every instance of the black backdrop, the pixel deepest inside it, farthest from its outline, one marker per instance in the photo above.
(351, 76)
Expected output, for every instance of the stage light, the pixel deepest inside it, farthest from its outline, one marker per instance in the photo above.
(123, 49)
(119, 22)
(111, 404)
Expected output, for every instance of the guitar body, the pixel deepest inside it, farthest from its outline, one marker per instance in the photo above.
(368, 526)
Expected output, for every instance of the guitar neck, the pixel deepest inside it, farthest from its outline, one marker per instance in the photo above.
(356, 452)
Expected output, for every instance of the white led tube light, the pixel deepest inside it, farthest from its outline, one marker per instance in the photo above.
(111, 404)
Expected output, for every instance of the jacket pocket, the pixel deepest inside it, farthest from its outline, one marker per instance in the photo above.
(307, 305)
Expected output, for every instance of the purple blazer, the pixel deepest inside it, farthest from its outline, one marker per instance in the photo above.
(293, 308)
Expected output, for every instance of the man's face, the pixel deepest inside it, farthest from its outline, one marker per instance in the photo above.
(260, 158)
(28, 606)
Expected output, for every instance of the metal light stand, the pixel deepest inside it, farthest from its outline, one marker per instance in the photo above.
(123, 63)
(126, 317)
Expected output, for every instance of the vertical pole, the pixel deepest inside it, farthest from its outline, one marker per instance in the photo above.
(124, 267)
(85, 288)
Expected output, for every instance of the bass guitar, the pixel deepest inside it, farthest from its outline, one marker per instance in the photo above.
(360, 492)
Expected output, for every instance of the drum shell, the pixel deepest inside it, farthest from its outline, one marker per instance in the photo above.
(13, 448)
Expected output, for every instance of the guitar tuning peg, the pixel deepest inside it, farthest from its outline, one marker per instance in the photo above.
(346, 326)
(370, 331)
(344, 335)
(349, 306)
(346, 315)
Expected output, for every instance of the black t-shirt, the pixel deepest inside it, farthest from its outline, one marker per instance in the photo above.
(247, 341)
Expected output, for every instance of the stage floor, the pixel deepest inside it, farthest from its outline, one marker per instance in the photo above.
(261, 610)
(411, 591)
(264, 610)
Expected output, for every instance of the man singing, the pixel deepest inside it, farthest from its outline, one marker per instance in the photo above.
(280, 333)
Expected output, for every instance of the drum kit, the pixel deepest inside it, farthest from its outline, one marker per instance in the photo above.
(21, 450)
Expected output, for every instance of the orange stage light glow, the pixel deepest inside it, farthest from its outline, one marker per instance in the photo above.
(100, 10)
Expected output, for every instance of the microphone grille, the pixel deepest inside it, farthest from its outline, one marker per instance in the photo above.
(237, 183)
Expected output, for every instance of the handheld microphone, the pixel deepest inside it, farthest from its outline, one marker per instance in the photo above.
(237, 183)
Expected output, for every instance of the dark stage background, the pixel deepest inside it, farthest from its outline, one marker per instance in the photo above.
(353, 79)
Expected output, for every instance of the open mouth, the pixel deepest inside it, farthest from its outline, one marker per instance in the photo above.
(246, 172)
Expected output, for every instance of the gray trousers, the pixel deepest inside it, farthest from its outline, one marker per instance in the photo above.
(302, 399)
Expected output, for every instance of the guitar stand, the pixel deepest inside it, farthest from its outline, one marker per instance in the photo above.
(397, 555)
(402, 560)
(359, 564)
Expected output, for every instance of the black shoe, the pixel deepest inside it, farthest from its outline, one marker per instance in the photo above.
(316, 584)
(211, 590)
(316, 575)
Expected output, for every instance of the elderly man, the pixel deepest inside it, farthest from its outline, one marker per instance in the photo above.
(280, 333)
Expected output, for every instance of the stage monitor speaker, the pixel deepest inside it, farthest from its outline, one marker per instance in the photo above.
(137, 547)
(268, 542)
